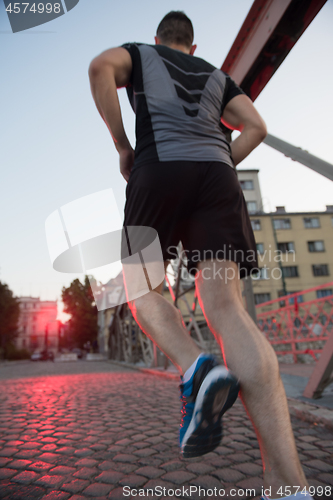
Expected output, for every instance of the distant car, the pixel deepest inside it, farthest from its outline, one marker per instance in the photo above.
(36, 356)
(42, 356)
(78, 351)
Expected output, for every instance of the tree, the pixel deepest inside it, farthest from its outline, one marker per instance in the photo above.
(79, 303)
(9, 317)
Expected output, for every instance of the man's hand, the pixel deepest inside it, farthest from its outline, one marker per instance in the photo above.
(240, 114)
(109, 71)
(126, 160)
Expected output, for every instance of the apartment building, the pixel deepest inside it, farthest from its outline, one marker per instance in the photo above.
(38, 326)
(295, 252)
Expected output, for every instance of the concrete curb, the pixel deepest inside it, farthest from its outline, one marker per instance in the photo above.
(310, 412)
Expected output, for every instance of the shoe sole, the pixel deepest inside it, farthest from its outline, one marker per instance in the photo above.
(216, 395)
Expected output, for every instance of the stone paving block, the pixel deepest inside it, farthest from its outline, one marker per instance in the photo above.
(83, 452)
(109, 477)
(49, 447)
(13, 443)
(133, 480)
(25, 477)
(240, 457)
(145, 452)
(86, 472)
(154, 461)
(97, 489)
(207, 482)
(86, 462)
(228, 475)
(64, 442)
(253, 453)
(219, 462)
(56, 495)
(239, 446)
(326, 479)
(26, 454)
(248, 469)
(319, 464)
(68, 450)
(75, 486)
(116, 494)
(314, 454)
(150, 472)
(178, 476)
(200, 468)
(11, 491)
(106, 465)
(50, 481)
(48, 457)
(7, 473)
(8, 451)
(19, 464)
(125, 468)
(172, 465)
(63, 470)
(255, 483)
(123, 457)
(224, 450)
(4, 461)
(76, 437)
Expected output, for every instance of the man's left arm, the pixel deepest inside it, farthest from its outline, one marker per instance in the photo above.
(111, 70)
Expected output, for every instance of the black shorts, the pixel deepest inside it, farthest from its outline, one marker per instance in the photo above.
(200, 204)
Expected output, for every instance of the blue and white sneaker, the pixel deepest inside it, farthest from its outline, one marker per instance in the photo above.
(209, 393)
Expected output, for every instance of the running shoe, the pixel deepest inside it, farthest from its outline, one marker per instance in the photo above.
(209, 393)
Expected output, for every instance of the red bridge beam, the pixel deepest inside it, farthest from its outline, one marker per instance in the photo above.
(269, 32)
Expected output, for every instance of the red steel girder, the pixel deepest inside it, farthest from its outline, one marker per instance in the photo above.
(269, 32)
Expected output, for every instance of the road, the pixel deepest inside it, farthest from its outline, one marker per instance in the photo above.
(78, 430)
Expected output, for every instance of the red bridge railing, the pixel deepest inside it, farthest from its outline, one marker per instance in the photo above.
(294, 325)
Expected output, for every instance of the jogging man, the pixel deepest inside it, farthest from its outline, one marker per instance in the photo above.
(182, 182)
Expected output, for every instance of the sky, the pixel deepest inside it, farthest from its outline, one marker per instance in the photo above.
(55, 148)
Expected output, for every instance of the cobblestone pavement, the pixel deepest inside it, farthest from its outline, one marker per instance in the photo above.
(79, 436)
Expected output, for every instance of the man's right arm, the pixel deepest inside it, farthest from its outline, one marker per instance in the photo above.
(240, 114)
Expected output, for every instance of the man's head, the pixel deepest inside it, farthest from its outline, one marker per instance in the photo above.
(176, 31)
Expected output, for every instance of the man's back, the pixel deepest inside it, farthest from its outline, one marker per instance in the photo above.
(178, 100)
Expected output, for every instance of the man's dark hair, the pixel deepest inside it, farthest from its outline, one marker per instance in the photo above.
(176, 28)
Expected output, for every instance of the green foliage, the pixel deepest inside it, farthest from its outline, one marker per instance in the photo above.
(79, 303)
(9, 316)
(12, 353)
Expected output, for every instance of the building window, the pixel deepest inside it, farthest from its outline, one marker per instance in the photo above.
(286, 247)
(324, 293)
(292, 299)
(256, 225)
(247, 185)
(251, 206)
(263, 273)
(260, 248)
(320, 270)
(260, 298)
(281, 223)
(311, 222)
(316, 246)
(290, 271)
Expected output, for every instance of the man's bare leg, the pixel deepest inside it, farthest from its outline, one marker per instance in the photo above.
(162, 322)
(251, 358)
